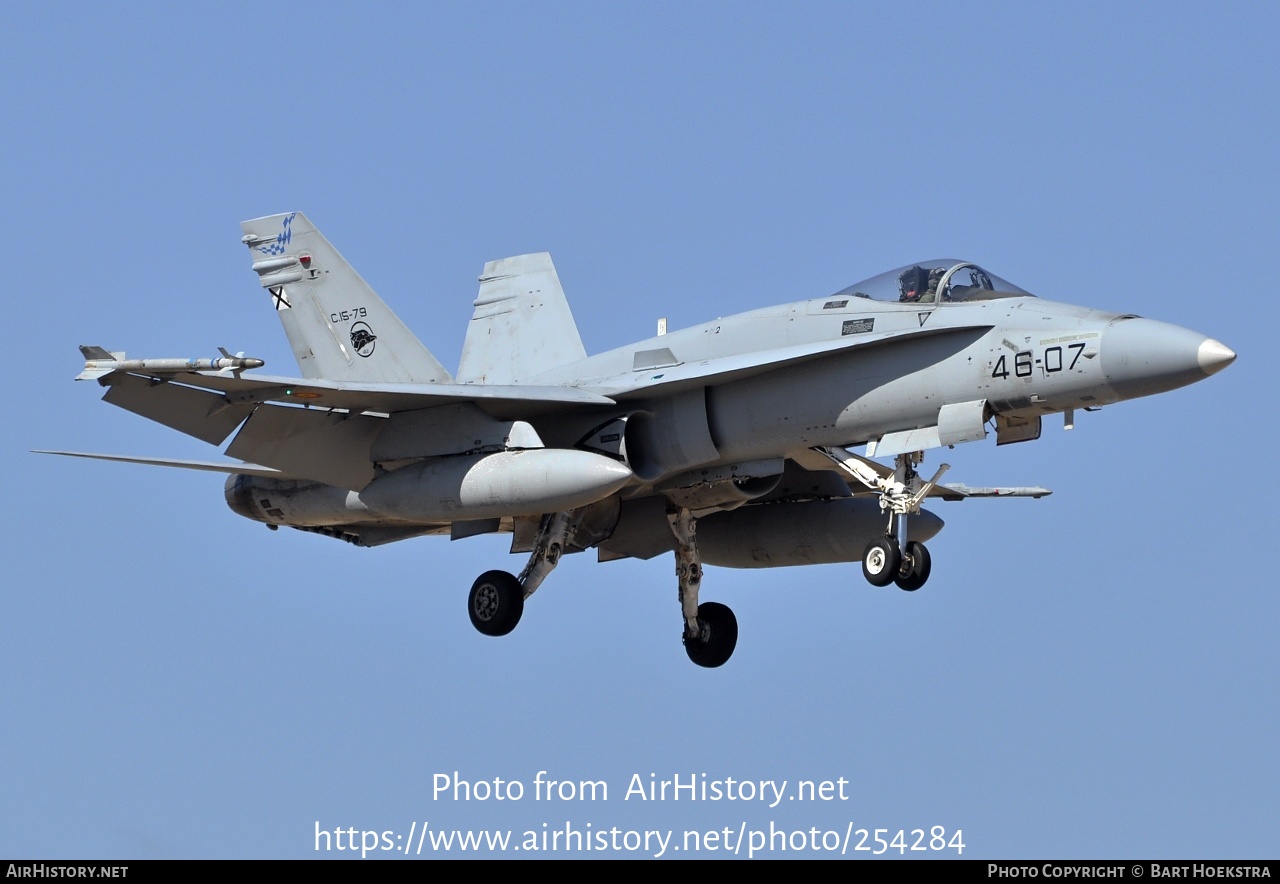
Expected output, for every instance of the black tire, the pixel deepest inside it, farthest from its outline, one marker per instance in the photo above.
(718, 636)
(915, 567)
(881, 561)
(495, 603)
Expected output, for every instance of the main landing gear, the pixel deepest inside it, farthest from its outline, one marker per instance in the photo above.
(893, 558)
(710, 630)
(496, 600)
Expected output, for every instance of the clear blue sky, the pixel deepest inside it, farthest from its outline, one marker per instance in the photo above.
(1090, 675)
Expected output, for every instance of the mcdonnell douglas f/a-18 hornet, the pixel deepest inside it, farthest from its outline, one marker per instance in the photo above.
(727, 443)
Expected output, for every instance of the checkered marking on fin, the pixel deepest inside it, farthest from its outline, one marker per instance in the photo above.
(282, 238)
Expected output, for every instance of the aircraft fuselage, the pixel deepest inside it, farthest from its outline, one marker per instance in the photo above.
(1024, 356)
(725, 443)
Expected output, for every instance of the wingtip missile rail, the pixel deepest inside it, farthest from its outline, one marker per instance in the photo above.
(99, 362)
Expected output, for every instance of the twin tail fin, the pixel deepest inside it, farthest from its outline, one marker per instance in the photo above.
(337, 325)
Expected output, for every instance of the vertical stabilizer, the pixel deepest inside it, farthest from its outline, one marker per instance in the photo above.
(338, 327)
(522, 326)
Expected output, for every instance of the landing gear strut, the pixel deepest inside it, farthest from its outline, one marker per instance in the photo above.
(893, 558)
(497, 598)
(710, 630)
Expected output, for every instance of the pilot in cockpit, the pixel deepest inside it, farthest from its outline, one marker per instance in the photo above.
(916, 284)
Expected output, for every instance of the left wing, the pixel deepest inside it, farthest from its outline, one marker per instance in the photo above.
(337, 436)
(517, 400)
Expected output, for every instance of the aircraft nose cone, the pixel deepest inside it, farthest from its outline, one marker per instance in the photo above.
(1141, 357)
(1214, 356)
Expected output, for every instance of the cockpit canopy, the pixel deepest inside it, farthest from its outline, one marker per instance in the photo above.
(942, 280)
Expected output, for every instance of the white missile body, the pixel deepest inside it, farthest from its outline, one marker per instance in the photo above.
(99, 362)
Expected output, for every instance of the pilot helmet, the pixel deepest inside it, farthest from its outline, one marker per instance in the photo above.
(912, 283)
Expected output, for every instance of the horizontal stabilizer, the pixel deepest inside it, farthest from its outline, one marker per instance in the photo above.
(244, 469)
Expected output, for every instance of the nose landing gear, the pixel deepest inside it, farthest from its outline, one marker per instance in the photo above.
(881, 561)
(915, 567)
(893, 558)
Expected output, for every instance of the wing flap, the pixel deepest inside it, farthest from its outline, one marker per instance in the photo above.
(329, 447)
(204, 415)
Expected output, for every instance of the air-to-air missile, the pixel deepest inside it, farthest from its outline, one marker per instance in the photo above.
(99, 362)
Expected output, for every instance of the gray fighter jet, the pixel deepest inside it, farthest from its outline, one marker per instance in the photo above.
(727, 443)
